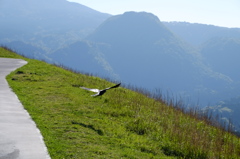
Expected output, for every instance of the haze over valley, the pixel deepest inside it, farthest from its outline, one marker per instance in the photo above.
(195, 62)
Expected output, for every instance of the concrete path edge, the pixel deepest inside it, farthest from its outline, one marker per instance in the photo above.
(19, 136)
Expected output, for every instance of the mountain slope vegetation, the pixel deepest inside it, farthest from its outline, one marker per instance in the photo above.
(220, 51)
(46, 24)
(222, 55)
(120, 124)
(83, 56)
(154, 54)
(197, 34)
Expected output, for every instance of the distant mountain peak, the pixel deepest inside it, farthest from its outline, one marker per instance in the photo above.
(141, 14)
(130, 26)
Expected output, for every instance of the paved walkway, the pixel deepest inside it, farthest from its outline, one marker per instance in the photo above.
(19, 136)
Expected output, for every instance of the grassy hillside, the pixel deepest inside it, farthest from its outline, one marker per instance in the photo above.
(120, 124)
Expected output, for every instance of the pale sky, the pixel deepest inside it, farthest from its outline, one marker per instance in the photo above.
(216, 12)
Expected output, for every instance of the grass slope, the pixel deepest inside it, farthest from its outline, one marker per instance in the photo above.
(120, 124)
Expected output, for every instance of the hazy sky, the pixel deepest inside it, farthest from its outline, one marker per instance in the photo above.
(217, 12)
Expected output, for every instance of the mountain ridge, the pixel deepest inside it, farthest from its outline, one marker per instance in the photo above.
(203, 32)
(164, 57)
(49, 24)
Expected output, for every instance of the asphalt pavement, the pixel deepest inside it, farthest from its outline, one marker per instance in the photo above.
(19, 136)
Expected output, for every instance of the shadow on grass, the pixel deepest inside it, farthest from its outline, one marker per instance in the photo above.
(100, 132)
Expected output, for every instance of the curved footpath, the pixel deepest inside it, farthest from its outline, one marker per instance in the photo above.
(19, 136)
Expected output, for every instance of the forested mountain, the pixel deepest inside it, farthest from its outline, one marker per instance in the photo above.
(138, 49)
(222, 55)
(85, 57)
(142, 51)
(196, 34)
(48, 24)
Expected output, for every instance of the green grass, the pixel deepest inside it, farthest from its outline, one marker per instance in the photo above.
(120, 124)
